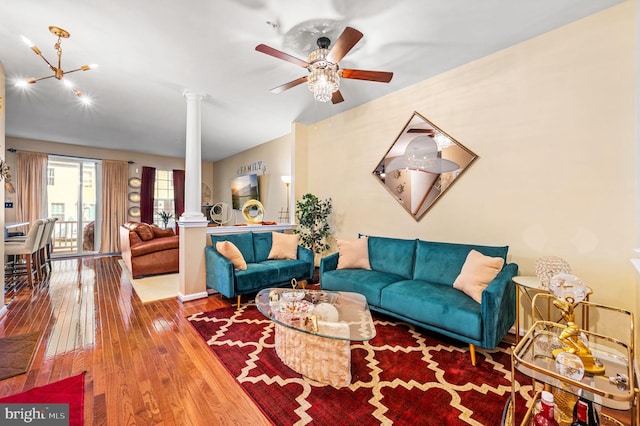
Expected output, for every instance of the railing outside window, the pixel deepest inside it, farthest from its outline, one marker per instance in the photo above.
(65, 237)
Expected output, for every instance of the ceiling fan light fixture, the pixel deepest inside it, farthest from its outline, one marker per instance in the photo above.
(324, 75)
(323, 79)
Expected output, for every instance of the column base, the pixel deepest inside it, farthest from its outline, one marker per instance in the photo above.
(194, 296)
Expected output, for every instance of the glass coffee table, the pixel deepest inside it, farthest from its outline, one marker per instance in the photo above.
(314, 329)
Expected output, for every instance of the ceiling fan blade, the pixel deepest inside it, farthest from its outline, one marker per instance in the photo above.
(336, 98)
(381, 76)
(281, 55)
(289, 85)
(349, 38)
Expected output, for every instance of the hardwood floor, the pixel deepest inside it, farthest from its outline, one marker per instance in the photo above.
(145, 364)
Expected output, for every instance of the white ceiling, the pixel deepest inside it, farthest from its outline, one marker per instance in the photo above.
(149, 52)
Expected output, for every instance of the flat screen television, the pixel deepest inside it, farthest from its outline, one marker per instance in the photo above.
(243, 189)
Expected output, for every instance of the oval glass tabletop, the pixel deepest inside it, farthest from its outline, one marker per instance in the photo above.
(332, 314)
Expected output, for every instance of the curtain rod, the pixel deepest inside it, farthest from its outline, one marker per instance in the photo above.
(70, 156)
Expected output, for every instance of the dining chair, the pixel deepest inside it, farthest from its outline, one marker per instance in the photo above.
(49, 242)
(42, 249)
(27, 249)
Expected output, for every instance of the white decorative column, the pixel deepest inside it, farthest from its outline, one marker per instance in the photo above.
(192, 223)
(193, 159)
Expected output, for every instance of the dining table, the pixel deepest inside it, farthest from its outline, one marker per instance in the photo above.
(11, 225)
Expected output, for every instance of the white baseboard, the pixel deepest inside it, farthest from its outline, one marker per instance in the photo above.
(189, 297)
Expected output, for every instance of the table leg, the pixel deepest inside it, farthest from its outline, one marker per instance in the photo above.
(517, 314)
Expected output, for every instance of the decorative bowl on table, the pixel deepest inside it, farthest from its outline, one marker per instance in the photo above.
(293, 309)
(292, 295)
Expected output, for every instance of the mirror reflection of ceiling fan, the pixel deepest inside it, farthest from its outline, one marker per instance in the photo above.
(324, 73)
(428, 132)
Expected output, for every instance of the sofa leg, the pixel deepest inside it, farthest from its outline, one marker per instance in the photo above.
(239, 303)
(472, 352)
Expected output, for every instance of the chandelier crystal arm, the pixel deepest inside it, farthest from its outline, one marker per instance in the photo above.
(34, 80)
(39, 53)
(82, 68)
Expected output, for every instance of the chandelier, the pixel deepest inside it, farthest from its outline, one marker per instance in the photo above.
(323, 79)
(57, 70)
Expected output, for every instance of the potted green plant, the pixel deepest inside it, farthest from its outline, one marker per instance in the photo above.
(166, 217)
(312, 215)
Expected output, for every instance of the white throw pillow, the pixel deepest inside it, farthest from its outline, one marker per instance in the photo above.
(353, 254)
(231, 252)
(283, 246)
(476, 274)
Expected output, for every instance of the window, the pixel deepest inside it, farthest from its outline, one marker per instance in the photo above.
(57, 210)
(51, 176)
(163, 194)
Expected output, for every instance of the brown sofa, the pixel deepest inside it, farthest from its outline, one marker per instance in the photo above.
(149, 249)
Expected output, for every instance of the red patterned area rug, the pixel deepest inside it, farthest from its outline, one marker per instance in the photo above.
(67, 391)
(403, 376)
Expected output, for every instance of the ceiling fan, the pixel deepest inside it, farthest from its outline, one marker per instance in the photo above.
(324, 73)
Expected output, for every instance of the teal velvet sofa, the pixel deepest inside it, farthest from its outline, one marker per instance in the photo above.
(412, 280)
(260, 273)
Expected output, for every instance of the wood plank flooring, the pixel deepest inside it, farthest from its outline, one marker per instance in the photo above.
(145, 364)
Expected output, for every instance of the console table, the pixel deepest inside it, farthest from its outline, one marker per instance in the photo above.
(239, 229)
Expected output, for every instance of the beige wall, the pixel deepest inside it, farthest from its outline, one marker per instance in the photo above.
(553, 122)
(276, 161)
(135, 169)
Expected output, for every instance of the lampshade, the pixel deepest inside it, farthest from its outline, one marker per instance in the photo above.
(286, 179)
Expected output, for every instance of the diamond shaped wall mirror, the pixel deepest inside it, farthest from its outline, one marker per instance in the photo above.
(421, 165)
